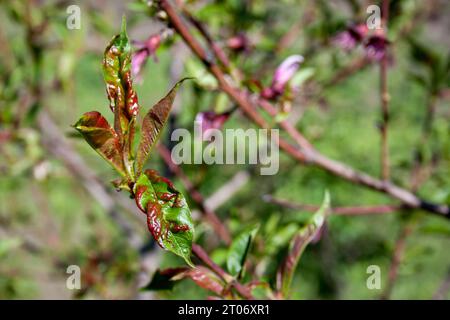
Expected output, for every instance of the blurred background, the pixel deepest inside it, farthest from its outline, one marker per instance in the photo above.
(57, 207)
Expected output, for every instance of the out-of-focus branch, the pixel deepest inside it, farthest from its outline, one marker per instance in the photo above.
(203, 256)
(342, 211)
(397, 258)
(346, 71)
(304, 152)
(227, 190)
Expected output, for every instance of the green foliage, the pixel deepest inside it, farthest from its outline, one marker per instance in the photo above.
(238, 251)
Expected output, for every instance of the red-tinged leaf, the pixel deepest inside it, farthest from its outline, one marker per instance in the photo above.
(102, 138)
(152, 126)
(122, 97)
(298, 244)
(117, 74)
(168, 215)
(204, 278)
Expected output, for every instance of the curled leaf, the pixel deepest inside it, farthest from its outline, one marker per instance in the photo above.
(152, 125)
(122, 97)
(204, 278)
(298, 244)
(238, 251)
(102, 138)
(168, 215)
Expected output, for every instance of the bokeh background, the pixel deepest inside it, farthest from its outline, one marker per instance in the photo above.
(57, 207)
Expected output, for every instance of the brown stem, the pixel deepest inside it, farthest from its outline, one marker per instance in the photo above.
(217, 50)
(203, 256)
(397, 258)
(346, 71)
(210, 215)
(306, 155)
(343, 211)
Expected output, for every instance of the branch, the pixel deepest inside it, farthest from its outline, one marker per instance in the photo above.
(203, 256)
(397, 258)
(304, 152)
(341, 211)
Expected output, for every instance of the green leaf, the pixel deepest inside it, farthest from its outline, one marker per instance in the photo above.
(168, 215)
(301, 76)
(101, 137)
(298, 245)
(238, 251)
(152, 125)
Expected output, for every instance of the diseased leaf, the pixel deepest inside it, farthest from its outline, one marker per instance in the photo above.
(298, 245)
(152, 125)
(238, 251)
(101, 137)
(122, 97)
(168, 215)
(204, 278)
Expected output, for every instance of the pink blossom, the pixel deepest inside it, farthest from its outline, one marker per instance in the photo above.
(351, 37)
(285, 71)
(376, 47)
(144, 50)
(238, 43)
(211, 120)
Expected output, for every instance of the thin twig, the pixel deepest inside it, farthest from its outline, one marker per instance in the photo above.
(203, 256)
(342, 211)
(397, 258)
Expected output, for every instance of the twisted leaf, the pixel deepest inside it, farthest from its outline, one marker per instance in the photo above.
(168, 215)
(102, 138)
(298, 245)
(122, 97)
(152, 125)
(203, 277)
(117, 76)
